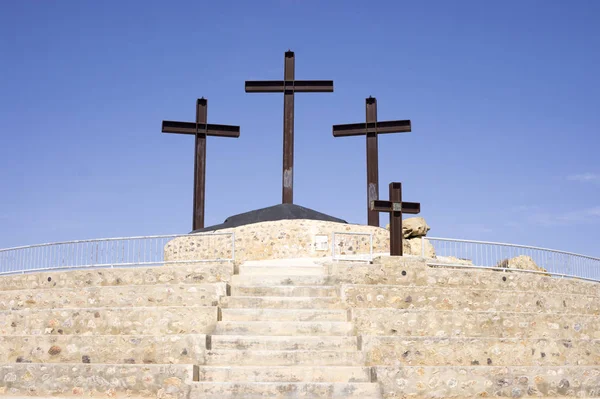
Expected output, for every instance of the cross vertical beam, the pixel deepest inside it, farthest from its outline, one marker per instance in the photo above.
(395, 207)
(289, 86)
(200, 164)
(200, 129)
(372, 129)
(372, 162)
(287, 183)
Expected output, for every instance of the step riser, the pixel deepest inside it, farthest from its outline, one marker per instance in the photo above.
(275, 280)
(284, 315)
(283, 328)
(284, 374)
(285, 291)
(283, 390)
(341, 343)
(281, 303)
(284, 358)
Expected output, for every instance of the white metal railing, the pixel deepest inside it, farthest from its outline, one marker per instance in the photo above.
(352, 246)
(467, 253)
(123, 251)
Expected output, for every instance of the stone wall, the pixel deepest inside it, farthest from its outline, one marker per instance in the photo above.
(106, 321)
(415, 272)
(481, 382)
(123, 349)
(199, 273)
(95, 380)
(279, 240)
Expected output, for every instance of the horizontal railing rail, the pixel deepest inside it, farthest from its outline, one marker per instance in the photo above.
(352, 246)
(120, 251)
(502, 256)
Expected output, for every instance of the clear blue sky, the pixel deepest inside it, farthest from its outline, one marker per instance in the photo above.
(503, 98)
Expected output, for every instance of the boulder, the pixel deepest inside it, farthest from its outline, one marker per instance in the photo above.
(413, 227)
(521, 262)
(454, 260)
(412, 246)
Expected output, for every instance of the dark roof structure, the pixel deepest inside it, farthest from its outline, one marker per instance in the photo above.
(272, 213)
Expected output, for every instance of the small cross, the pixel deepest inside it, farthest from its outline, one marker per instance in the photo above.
(200, 129)
(395, 207)
(372, 128)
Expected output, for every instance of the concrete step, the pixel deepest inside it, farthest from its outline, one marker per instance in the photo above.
(114, 296)
(283, 358)
(284, 315)
(110, 321)
(276, 280)
(284, 374)
(261, 270)
(284, 328)
(307, 342)
(278, 302)
(322, 390)
(285, 290)
(108, 349)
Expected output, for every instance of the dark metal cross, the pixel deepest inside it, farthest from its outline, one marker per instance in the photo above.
(395, 207)
(200, 129)
(371, 129)
(289, 85)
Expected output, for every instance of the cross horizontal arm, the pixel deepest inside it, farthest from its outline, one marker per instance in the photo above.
(211, 129)
(298, 86)
(388, 206)
(358, 129)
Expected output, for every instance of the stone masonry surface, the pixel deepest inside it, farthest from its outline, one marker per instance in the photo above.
(115, 296)
(95, 380)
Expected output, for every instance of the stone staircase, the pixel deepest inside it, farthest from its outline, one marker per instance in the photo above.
(283, 332)
(285, 329)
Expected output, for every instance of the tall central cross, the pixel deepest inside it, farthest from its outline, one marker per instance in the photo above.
(395, 207)
(288, 86)
(371, 129)
(200, 129)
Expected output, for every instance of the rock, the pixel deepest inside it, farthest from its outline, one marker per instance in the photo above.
(412, 246)
(454, 260)
(414, 227)
(521, 262)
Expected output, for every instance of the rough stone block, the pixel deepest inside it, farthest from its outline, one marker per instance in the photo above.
(115, 296)
(467, 299)
(109, 321)
(431, 351)
(125, 349)
(481, 382)
(199, 273)
(95, 380)
(441, 323)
